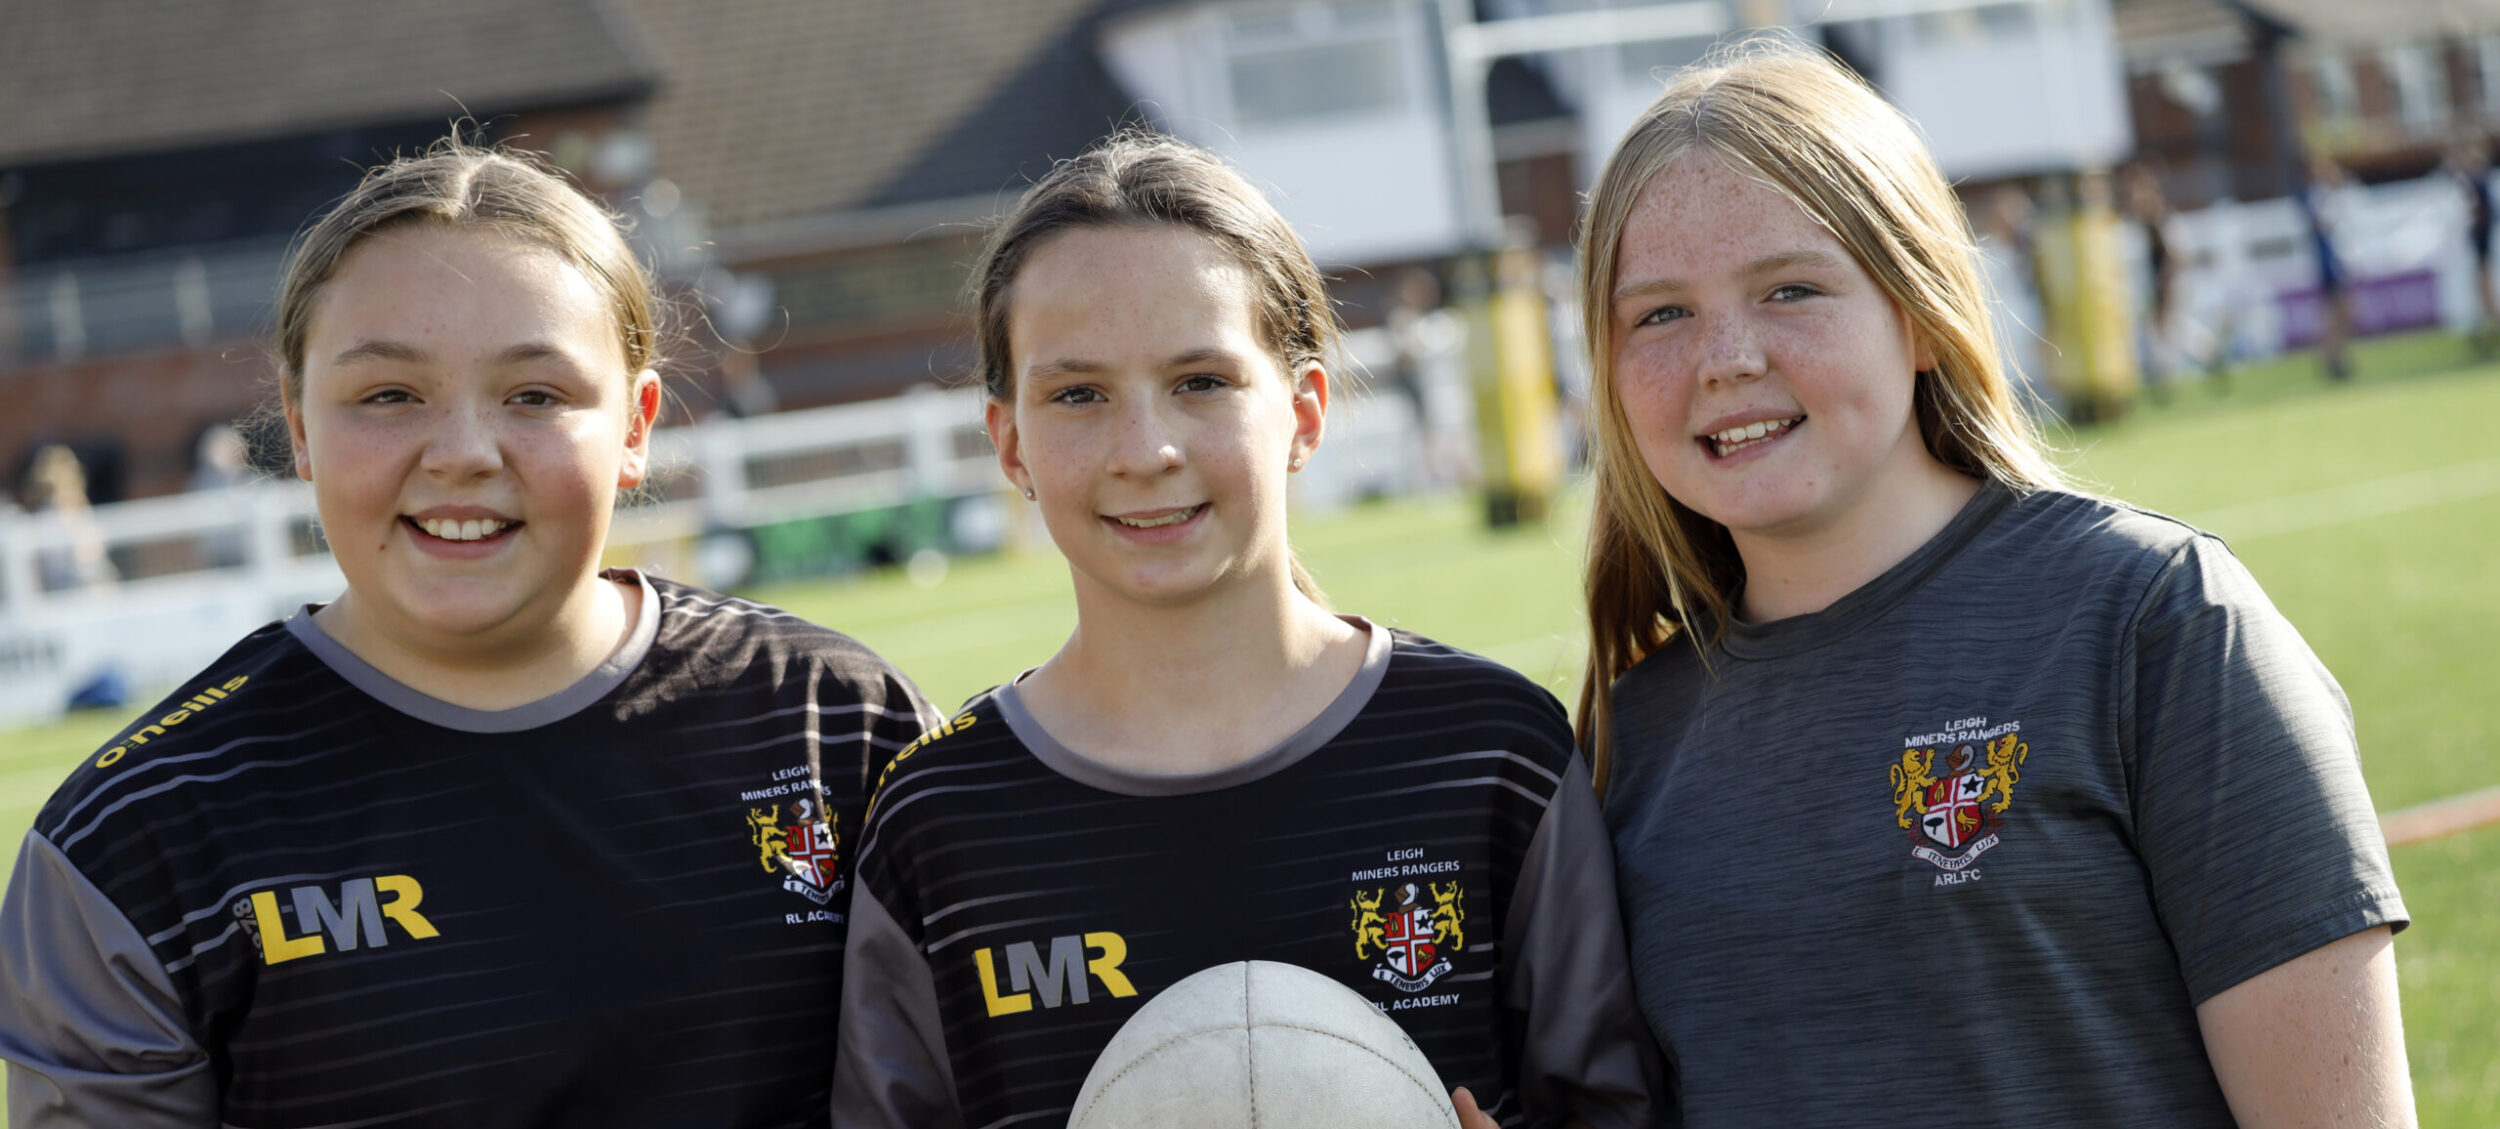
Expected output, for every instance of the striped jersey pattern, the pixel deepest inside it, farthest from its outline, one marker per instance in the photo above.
(629, 916)
(1048, 909)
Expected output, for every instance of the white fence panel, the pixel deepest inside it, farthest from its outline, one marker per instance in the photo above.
(203, 569)
(2252, 272)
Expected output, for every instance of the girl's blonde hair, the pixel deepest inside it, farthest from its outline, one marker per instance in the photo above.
(458, 184)
(1799, 122)
(1140, 179)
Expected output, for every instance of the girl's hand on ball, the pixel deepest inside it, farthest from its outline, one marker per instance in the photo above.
(1469, 1117)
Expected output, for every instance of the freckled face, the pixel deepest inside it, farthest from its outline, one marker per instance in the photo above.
(466, 419)
(1153, 426)
(1766, 377)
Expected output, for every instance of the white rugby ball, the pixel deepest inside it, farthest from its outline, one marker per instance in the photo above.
(1261, 1045)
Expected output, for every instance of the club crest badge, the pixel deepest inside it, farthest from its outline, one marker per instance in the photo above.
(1409, 931)
(804, 847)
(1953, 811)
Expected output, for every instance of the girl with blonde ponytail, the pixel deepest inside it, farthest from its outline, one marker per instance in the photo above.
(1932, 784)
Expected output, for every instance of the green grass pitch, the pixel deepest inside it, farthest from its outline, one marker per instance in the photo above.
(2370, 512)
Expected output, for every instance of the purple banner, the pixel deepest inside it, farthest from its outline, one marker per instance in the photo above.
(2381, 304)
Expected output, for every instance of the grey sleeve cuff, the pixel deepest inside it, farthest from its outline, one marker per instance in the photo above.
(90, 1023)
(1586, 1053)
(891, 1070)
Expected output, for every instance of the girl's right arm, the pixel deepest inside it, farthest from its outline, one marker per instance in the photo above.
(90, 1023)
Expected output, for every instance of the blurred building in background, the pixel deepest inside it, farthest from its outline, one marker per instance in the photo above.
(2230, 97)
(811, 180)
(155, 159)
(2239, 105)
(839, 159)
(812, 176)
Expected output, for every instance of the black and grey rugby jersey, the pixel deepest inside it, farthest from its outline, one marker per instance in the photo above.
(298, 893)
(1430, 840)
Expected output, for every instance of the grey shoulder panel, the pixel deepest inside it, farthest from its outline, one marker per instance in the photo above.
(1585, 1049)
(891, 1069)
(90, 1024)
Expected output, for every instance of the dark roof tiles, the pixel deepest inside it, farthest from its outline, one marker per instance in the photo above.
(778, 109)
(94, 78)
(2381, 21)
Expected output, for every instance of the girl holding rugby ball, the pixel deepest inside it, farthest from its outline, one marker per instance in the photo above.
(1215, 767)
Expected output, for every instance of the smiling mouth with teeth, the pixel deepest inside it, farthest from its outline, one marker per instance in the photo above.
(1734, 439)
(471, 529)
(1174, 518)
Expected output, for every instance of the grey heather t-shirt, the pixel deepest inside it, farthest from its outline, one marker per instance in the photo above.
(1970, 845)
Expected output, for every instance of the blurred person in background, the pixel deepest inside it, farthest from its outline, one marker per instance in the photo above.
(2006, 254)
(2172, 338)
(222, 460)
(2469, 161)
(2321, 205)
(57, 491)
(1424, 335)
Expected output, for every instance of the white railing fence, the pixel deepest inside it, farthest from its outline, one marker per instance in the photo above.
(195, 572)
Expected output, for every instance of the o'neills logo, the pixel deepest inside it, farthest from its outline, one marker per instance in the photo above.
(140, 735)
(1953, 811)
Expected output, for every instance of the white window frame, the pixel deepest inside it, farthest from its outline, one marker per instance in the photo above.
(2339, 93)
(2420, 82)
(1278, 31)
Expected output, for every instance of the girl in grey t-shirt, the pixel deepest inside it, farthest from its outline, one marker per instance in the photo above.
(1938, 792)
